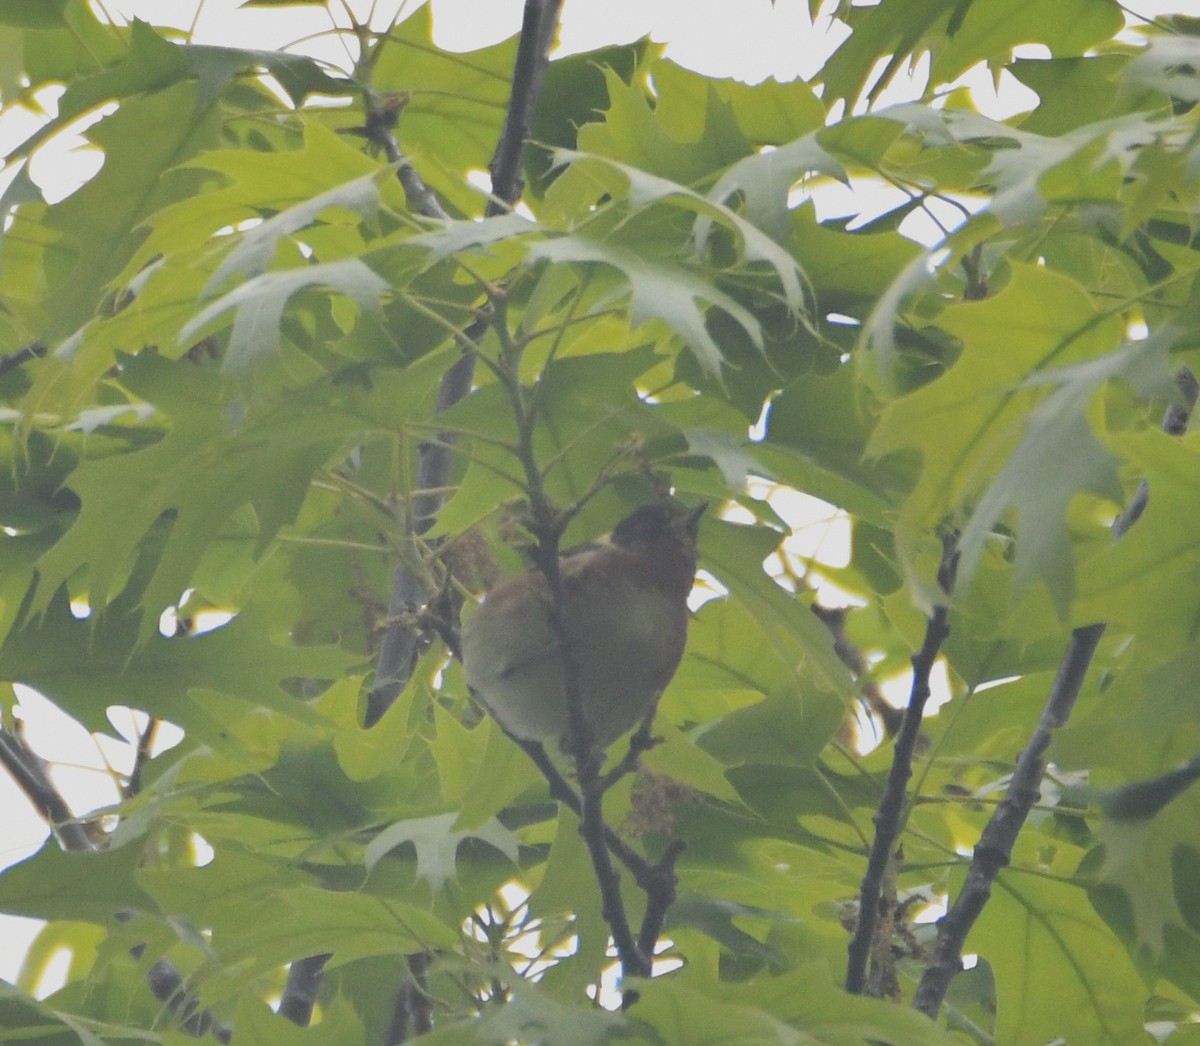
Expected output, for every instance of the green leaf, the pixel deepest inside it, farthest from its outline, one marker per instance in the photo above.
(658, 291)
(456, 108)
(260, 302)
(696, 133)
(257, 249)
(799, 1007)
(817, 436)
(531, 1013)
(791, 632)
(100, 224)
(256, 1021)
(990, 29)
(503, 773)
(33, 14)
(280, 185)
(1058, 441)
(566, 866)
(969, 423)
(436, 844)
(299, 75)
(574, 92)
(46, 885)
(87, 668)
(25, 1019)
(1167, 64)
(766, 179)
(682, 760)
(753, 244)
(125, 496)
(1058, 969)
(715, 919)
(689, 106)
(879, 32)
(150, 64)
(1147, 580)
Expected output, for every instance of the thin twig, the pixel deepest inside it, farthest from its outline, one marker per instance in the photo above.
(421, 198)
(612, 905)
(848, 653)
(538, 30)
(547, 524)
(561, 790)
(994, 849)
(169, 987)
(141, 757)
(656, 879)
(659, 886)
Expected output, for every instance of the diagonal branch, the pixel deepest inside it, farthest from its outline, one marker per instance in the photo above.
(994, 849)
(12, 360)
(995, 846)
(32, 775)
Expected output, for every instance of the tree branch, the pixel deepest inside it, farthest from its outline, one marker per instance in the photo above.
(995, 846)
(31, 774)
(994, 849)
(890, 814)
(834, 619)
(538, 30)
(412, 1013)
(13, 360)
(397, 653)
(398, 648)
(300, 989)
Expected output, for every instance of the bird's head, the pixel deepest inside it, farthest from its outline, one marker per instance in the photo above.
(663, 532)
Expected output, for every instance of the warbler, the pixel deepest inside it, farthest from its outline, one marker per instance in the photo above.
(624, 616)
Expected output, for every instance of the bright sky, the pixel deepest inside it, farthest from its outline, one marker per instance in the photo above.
(750, 39)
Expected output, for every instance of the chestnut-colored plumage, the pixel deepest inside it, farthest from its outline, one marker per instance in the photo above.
(625, 615)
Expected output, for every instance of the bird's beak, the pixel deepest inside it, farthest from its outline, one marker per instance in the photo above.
(691, 518)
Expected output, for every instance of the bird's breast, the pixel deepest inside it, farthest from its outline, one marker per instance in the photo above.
(625, 633)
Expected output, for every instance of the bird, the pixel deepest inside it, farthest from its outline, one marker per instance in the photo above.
(624, 614)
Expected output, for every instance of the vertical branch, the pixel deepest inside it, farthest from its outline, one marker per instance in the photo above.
(994, 849)
(634, 960)
(397, 652)
(539, 27)
(300, 990)
(547, 524)
(412, 1013)
(890, 815)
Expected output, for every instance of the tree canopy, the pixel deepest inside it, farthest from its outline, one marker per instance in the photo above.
(320, 354)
